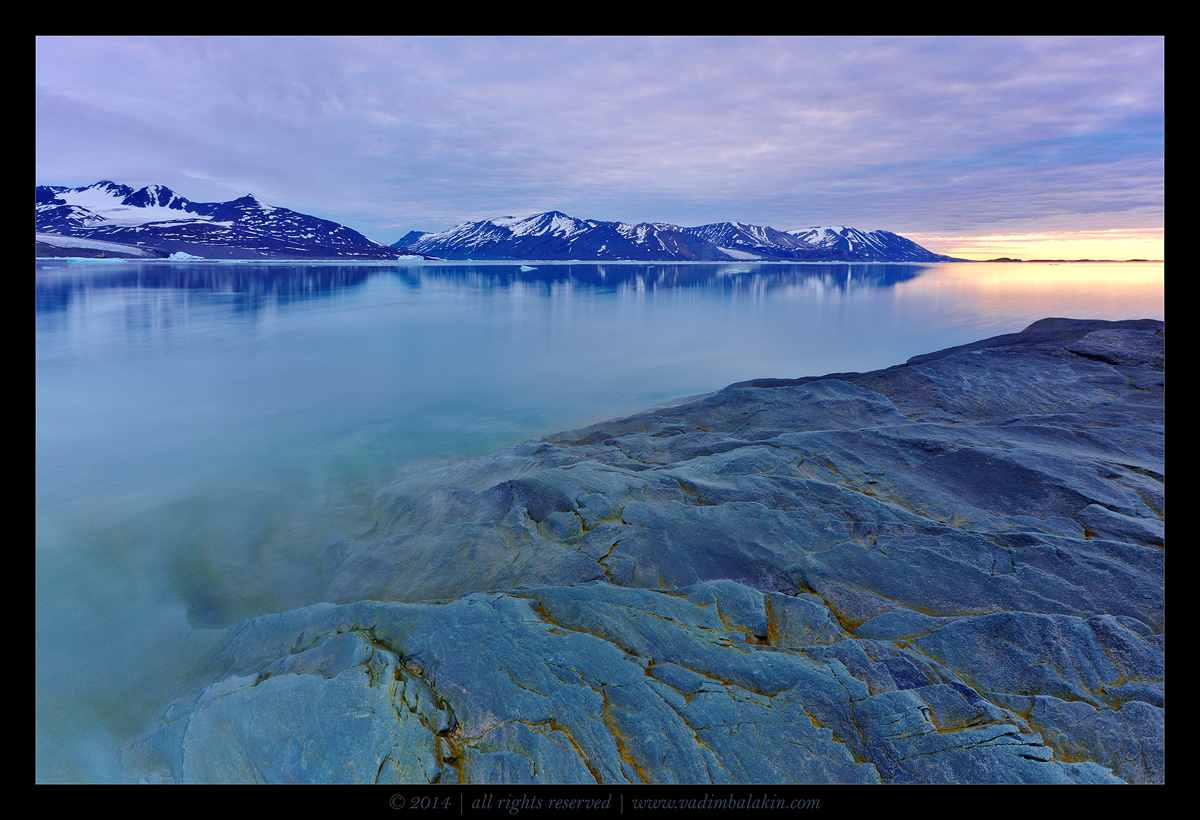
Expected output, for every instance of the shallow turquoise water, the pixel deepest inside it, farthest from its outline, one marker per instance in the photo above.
(204, 431)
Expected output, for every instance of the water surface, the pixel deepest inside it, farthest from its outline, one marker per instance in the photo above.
(204, 431)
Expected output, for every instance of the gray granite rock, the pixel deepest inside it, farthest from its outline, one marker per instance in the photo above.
(949, 571)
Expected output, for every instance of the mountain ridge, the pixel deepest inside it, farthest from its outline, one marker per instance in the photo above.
(163, 221)
(556, 236)
(157, 218)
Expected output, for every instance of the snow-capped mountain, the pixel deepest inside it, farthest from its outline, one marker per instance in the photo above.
(851, 244)
(157, 217)
(554, 235)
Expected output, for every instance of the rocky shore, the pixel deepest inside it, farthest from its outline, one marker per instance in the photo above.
(948, 571)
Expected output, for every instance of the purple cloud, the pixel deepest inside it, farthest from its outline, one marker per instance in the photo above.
(916, 135)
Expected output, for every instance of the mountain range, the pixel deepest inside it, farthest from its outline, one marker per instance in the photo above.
(156, 221)
(558, 236)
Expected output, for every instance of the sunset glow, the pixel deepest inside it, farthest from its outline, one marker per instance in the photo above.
(1112, 244)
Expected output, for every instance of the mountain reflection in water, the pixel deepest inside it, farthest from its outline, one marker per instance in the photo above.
(259, 285)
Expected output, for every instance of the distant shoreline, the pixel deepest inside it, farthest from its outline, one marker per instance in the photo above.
(1044, 261)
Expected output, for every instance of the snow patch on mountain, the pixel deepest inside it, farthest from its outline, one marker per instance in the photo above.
(116, 204)
(740, 254)
(55, 245)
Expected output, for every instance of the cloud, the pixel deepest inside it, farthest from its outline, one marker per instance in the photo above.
(386, 134)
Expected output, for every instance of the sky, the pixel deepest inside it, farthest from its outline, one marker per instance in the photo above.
(977, 147)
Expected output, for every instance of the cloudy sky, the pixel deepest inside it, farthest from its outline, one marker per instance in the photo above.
(974, 146)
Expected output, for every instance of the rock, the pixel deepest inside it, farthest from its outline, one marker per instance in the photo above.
(949, 571)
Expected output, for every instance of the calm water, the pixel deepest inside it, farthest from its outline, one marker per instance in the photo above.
(205, 430)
